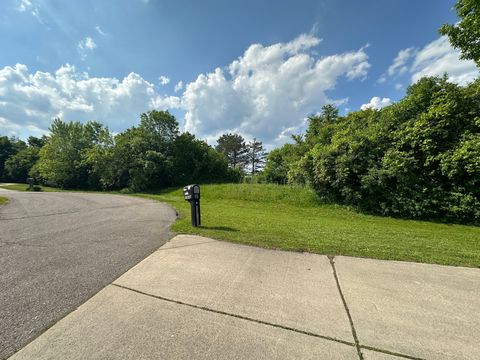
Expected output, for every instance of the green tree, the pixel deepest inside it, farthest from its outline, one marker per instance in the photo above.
(62, 159)
(19, 165)
(465, 35)
(8, 147)
(256, 155)
(196, 161)
(234, 148)
(318, 125)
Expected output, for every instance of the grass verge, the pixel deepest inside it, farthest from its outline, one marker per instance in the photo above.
(25, 187)
(3, 200)
(291, 218)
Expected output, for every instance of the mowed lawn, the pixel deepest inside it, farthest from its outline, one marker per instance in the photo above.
(291, 218)
(25, 187)
(3, 200)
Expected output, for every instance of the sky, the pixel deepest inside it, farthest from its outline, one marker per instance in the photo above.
(254, 67)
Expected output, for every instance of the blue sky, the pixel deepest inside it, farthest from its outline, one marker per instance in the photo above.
(111, 60)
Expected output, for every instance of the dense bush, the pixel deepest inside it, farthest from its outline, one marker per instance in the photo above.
(417, 158)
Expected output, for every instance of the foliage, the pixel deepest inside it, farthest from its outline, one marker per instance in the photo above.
(18, 166)
(196, 161)
(8, 147)
(465, 35)
(256, 155)
(280, 164)
(152, 155)
(234, 148)
(62, 159)
(417, 158)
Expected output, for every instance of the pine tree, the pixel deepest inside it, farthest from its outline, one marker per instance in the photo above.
(234, 148)
(256, 155)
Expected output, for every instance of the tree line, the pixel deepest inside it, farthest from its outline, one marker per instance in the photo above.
(152, 155)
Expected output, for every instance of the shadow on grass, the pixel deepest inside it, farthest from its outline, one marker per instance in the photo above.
(220, 228)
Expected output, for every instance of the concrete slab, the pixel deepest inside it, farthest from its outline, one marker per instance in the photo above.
(121, 324)
(290, 289)
(374, 355)
(420, 310)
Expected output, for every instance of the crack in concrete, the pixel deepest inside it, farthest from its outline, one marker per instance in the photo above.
(238, 316)
(354, 332)
(388, 352)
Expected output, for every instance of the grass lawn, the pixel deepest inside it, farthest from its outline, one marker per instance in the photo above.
(290, 218)
(3, 200)
(25, 187)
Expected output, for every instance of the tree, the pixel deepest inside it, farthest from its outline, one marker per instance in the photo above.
(256, 155)
(19, 165)
(62, 159)
(9, 147)
(318, 124)
(196, 161)
(33, 141)
(465, 35)
(234, 148)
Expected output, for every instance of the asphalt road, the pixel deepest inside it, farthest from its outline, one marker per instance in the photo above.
(59, 249)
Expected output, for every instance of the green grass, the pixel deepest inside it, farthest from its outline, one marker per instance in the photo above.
(291, 218)
(25, 187)
(3, 200)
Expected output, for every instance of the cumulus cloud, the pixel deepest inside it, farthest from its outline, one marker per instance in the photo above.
(86, 45)
(29, 101)
(376, 103)
(164, 80)
(440, 57)
(178, 86)
(435, 59)
(268, 91)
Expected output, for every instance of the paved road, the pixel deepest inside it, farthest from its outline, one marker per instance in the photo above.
(59, 249)
(196, 298)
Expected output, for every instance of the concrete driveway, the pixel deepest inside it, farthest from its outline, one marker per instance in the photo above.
(59, 249)
(196, 298)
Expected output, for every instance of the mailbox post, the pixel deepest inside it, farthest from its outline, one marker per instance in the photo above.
(30, 182)
(191, 193)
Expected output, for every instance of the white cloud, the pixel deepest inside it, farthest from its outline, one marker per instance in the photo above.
(399, 63)
(100, 31)
(178, 86)
(29, 6)
(398, 86)
(440, 57)
(84, 46)
(376, 103)
(268, 90)
(435, 59)
(164, 80)
(29, 101)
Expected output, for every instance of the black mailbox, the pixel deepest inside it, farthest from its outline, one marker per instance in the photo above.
(191, 193)
(30, 183)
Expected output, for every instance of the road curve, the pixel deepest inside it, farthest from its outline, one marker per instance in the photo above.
(59, 249)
